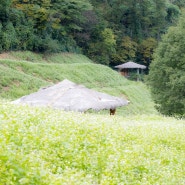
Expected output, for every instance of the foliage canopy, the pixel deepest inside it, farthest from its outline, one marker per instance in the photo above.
(98, 29)
(167, 72)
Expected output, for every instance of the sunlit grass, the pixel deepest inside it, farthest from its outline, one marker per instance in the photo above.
(60, 58)
(16, 84)
(67, 58)
(43, 146)
(26, 56)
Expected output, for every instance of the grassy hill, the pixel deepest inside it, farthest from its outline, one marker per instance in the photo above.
(24, 72)
(52, 147)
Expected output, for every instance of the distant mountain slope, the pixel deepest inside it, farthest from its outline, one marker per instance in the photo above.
(19, 77)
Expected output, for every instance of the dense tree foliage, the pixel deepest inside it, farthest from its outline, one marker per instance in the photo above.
(167, 72)
(109, 32)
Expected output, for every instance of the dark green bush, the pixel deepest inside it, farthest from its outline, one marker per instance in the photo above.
(167, 72)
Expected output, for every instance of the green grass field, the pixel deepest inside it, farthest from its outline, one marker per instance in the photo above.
(38, 146)
(47, 147)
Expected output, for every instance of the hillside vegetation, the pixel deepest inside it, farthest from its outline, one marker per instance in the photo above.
(109, 32)
(22, 73)
(41, 146)
(46, 147)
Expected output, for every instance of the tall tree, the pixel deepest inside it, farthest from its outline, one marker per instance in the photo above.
(55, 22)
(101, 50)
(146, 50)
(4, 10)
(167, 77)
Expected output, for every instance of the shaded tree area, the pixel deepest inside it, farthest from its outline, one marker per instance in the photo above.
(167, 72)
(137, 26)
(109, 31)
(41, 25)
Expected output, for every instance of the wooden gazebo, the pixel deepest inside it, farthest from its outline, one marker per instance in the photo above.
(125, 68)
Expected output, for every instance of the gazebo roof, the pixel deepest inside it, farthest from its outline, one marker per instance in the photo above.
(69, 96)
(130, 65)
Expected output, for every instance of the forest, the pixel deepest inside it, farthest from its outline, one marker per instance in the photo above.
(107, 31)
